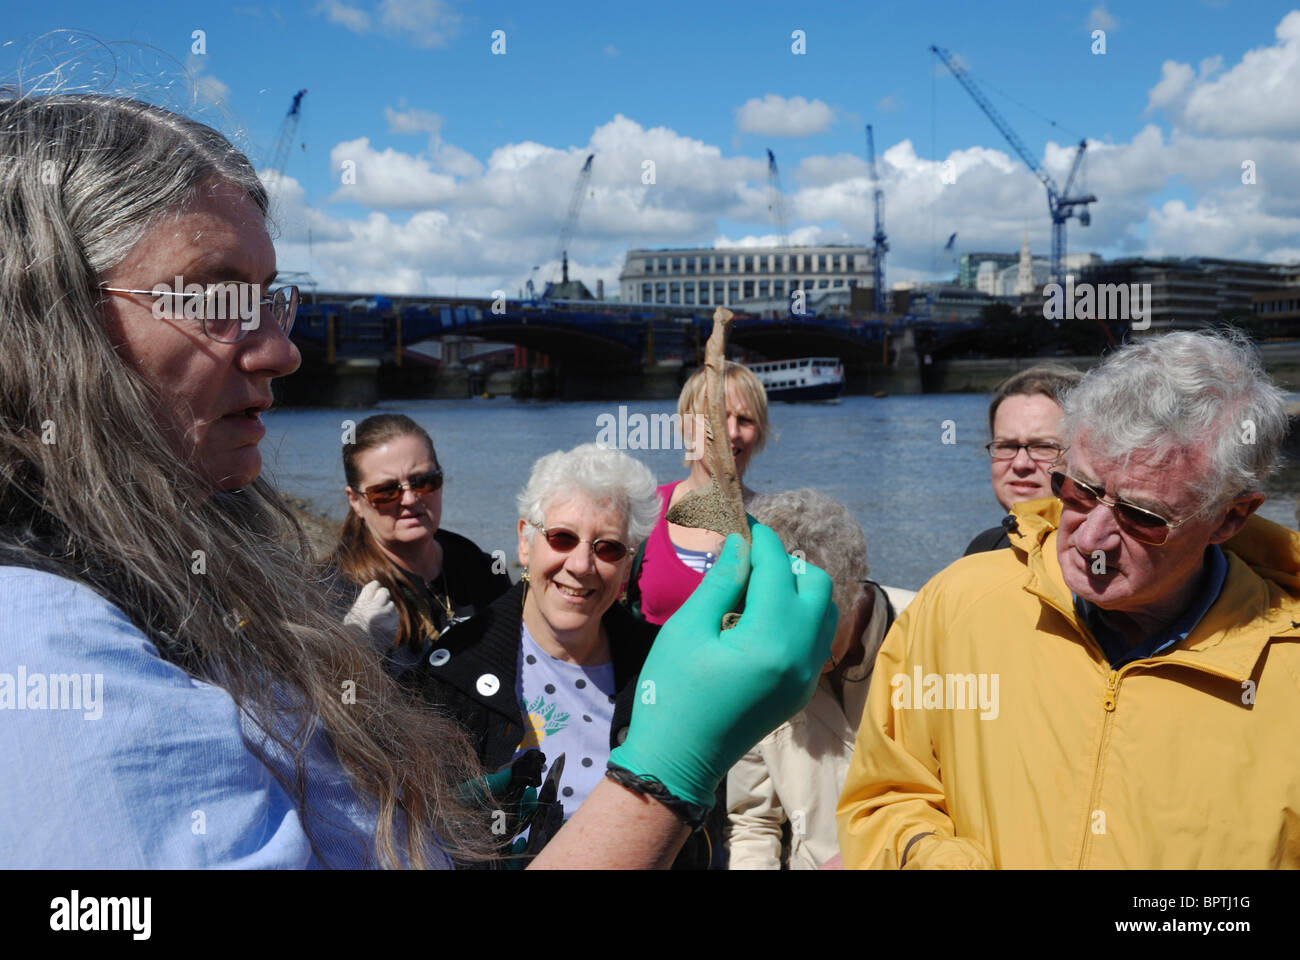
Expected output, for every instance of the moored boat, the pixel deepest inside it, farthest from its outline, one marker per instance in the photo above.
(802, 380)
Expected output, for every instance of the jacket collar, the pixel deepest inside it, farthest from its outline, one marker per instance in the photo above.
(1256, 604)
(488, 643)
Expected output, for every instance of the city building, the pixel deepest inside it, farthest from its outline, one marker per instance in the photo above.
(971, 263)
(1190, 292)
(1280, 305)
(943, 302)
(1010, 275)
(708, 276)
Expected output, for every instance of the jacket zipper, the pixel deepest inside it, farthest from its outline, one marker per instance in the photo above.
(1108, 705)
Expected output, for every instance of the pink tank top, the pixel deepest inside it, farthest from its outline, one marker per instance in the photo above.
(665, 581)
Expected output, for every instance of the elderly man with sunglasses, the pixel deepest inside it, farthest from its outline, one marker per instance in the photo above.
(1121, 688)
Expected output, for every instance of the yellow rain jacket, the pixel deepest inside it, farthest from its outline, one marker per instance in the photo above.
(996, 725)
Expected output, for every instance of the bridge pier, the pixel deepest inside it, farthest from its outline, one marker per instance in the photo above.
(344, 383)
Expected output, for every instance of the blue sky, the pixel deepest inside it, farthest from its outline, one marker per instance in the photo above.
(466, 159)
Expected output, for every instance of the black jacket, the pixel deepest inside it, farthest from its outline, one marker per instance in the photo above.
(487, 645)
(994, 538)
(468, 583)
(473, 669)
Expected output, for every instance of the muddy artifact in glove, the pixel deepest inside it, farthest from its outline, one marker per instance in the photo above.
(720, 506)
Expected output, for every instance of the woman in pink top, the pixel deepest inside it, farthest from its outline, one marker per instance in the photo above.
(675, 558)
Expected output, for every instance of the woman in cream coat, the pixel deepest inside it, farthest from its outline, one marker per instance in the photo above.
(795, 774)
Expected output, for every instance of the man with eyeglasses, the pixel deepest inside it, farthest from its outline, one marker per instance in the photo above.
(1025, 422)
(1121, 687)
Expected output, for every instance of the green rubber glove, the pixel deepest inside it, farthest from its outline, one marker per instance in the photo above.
(707, 695)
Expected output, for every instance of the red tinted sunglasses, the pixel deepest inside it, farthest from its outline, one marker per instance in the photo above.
(564, 541)
(383, 494)
(1141, 524)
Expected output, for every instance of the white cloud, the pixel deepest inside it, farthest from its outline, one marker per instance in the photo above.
(456, 161)
(611, 50)
(1175, 80)
(486, 230)
(208, 88)
(1100, 19)
(440, 219)
(1210, 66)
(412, 121)
(889, 103)
(445, 157)
(358, 21)
(777, 116)
(425, 23)
(387, 179)
(800, 236)
(1234, 221)
(1257, 96)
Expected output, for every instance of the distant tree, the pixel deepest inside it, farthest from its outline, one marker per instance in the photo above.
(1087, 338)
(1253, 325)
(1007, 333)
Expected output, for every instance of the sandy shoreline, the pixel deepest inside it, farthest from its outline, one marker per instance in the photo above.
(322, 531)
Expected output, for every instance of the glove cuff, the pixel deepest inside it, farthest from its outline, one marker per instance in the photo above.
(692, 814)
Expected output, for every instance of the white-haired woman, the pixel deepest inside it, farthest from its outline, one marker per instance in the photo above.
(791, 780)
(553, 663)
(223, 717)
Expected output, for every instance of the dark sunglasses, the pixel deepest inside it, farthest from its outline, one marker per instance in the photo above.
(383, 494)
(1141, 524)
(564, 541)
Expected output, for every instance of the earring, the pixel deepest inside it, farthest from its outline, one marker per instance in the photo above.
(524, 576)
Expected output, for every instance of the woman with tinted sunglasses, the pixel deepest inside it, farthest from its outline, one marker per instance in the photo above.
(415, 578)
(553, 664)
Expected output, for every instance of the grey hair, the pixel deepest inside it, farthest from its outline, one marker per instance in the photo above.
(113, 505)
(1195, 392)
(600, 473)
(824, 531)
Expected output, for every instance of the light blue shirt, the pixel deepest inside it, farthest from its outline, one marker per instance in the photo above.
(115, 758)
(569, 709)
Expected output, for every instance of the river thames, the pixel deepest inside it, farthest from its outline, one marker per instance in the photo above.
(919, 499)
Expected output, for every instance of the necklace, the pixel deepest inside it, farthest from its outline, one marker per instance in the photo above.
(444, 602)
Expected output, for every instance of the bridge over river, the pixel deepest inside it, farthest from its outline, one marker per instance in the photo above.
(358, 349)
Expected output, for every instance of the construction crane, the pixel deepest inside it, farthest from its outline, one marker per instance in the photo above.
(776, 201)
(879, 240)
(288, 131)
(1060, 204)
(571, 221)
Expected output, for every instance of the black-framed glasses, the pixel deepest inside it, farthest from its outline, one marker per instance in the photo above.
(1139, 523)
(564, 541)
(1042, 451)
(228, 311)
(384, 494)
